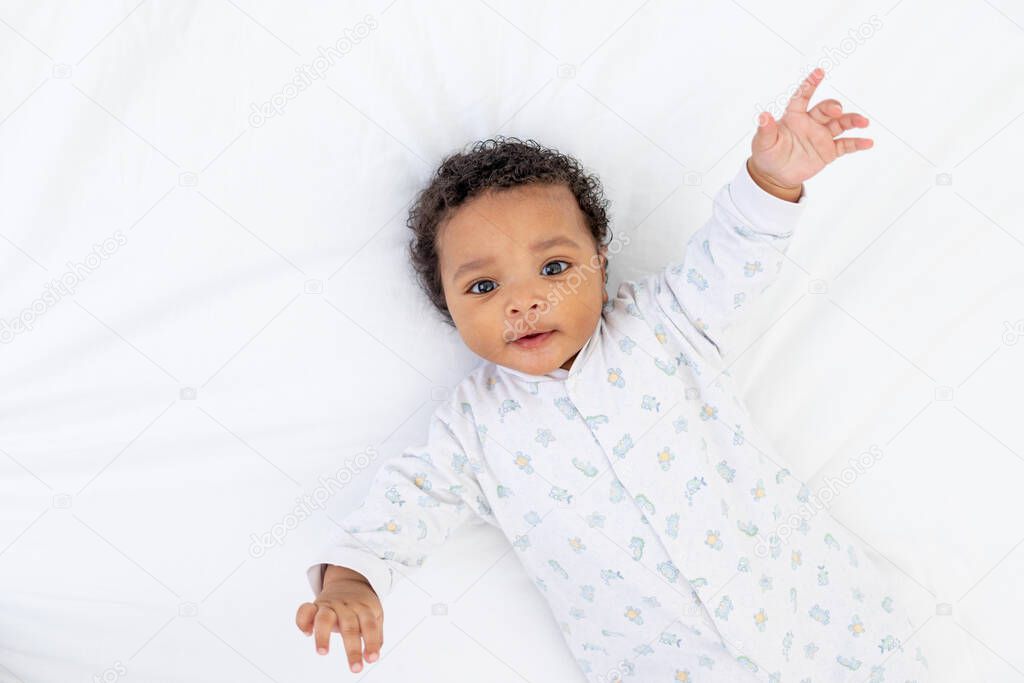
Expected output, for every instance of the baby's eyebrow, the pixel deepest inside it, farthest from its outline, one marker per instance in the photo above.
(557, 240)
(471, 265)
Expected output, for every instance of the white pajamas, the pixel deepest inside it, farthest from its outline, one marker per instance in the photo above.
(668, 538)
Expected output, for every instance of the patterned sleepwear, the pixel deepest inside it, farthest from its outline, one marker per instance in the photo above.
(669, 539)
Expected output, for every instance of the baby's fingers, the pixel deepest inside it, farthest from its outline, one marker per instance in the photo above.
(371, 622)
(849, 145)
(323, 624)
(348, 623)
(838, 126)
(825, 111)
(304, 617)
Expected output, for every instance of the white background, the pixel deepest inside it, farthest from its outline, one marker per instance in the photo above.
(263, 268)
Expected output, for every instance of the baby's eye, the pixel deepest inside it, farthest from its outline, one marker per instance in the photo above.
(486, 290)
(559, 271)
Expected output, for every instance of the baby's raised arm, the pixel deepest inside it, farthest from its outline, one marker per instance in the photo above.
(727, 263)
(739, 251)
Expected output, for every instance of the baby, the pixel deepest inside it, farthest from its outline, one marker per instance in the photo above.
(606, 440)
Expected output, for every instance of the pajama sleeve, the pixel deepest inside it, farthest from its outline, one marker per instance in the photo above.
(415, 501)
(728, 262)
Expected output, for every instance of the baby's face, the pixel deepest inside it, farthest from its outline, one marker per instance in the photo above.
(522, 261)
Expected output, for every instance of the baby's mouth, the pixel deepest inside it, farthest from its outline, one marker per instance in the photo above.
(533, 340)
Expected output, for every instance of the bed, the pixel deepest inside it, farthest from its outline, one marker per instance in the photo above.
(212, 338)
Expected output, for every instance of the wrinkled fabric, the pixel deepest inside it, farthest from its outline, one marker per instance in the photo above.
(669, 539)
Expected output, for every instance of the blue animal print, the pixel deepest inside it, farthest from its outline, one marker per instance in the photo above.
(483, 507)
(607, 575)
(822, 575)
(819, 614)
(560, 494)
(737, 436)
(672, 525)
(747, 663)
(668, 570)
(622, 447)
(696, 279)
(507, 406)
(692, 487)
(851, 663)
(752, 268)
(683, 359)
(724, 608)
(644, 503)
(566, 407)
(888, 643)
(668, 369)
(804, 494)
(558, 569)
(586, 468)
(728, 473)
(651, 403)
(393, 496)
(667, 638)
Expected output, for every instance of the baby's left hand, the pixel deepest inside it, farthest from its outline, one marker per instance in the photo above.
(802, 142)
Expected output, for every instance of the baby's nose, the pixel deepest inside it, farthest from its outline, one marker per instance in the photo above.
(515, 308)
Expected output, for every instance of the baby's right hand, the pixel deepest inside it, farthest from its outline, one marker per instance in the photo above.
(347, 605)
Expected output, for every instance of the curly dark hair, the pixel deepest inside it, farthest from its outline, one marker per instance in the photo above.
(498, 163)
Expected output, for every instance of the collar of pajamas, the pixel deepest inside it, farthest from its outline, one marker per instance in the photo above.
(669, 539)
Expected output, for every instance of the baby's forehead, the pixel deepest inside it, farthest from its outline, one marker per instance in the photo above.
(515, 214)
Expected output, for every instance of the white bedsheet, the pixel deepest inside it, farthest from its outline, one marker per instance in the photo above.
(251, 333)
